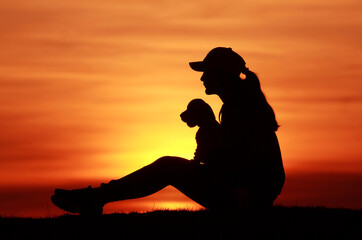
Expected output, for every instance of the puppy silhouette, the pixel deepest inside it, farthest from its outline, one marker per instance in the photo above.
(209, 135)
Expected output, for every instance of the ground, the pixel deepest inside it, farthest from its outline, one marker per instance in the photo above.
(276, 223)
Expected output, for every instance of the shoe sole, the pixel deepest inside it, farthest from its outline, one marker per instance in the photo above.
(67, 206)
(64, 204)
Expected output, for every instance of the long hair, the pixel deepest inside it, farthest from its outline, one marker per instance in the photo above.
(254, 102)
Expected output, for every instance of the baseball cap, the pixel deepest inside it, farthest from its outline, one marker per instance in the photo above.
(220, 58)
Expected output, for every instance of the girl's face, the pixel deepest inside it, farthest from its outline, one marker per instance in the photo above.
(213, 81)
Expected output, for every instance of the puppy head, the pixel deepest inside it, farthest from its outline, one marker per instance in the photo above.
(197, 112)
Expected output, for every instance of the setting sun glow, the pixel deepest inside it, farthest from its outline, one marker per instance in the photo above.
(91, 91)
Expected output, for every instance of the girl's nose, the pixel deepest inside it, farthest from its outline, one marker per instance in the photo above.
(202, 77)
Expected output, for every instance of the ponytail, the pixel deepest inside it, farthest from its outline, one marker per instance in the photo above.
(257, 102)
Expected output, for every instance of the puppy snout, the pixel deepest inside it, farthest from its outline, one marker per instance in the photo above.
(182, 115)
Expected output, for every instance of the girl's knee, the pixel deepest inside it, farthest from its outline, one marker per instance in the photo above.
(169, 161)
(164, 159)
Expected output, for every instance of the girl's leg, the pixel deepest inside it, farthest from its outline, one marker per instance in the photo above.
(187, 176)
(150, 179)
(191, 178)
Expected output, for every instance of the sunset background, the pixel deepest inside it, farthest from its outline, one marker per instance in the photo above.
(92, 90)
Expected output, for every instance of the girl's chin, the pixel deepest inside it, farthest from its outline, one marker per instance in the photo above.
(209, 92)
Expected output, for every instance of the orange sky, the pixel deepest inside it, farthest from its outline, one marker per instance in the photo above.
(91, 91)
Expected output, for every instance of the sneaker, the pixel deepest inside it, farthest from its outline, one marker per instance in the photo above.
(85, 201)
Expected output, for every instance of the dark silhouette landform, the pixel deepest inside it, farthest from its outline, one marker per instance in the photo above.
(276, 223)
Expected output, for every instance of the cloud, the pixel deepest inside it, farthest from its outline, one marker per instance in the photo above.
(317, 99)
(81, 84)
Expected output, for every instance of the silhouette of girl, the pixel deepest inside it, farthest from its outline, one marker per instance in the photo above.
(252, 162)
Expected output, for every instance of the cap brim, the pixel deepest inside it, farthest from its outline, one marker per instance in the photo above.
(198, 66)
